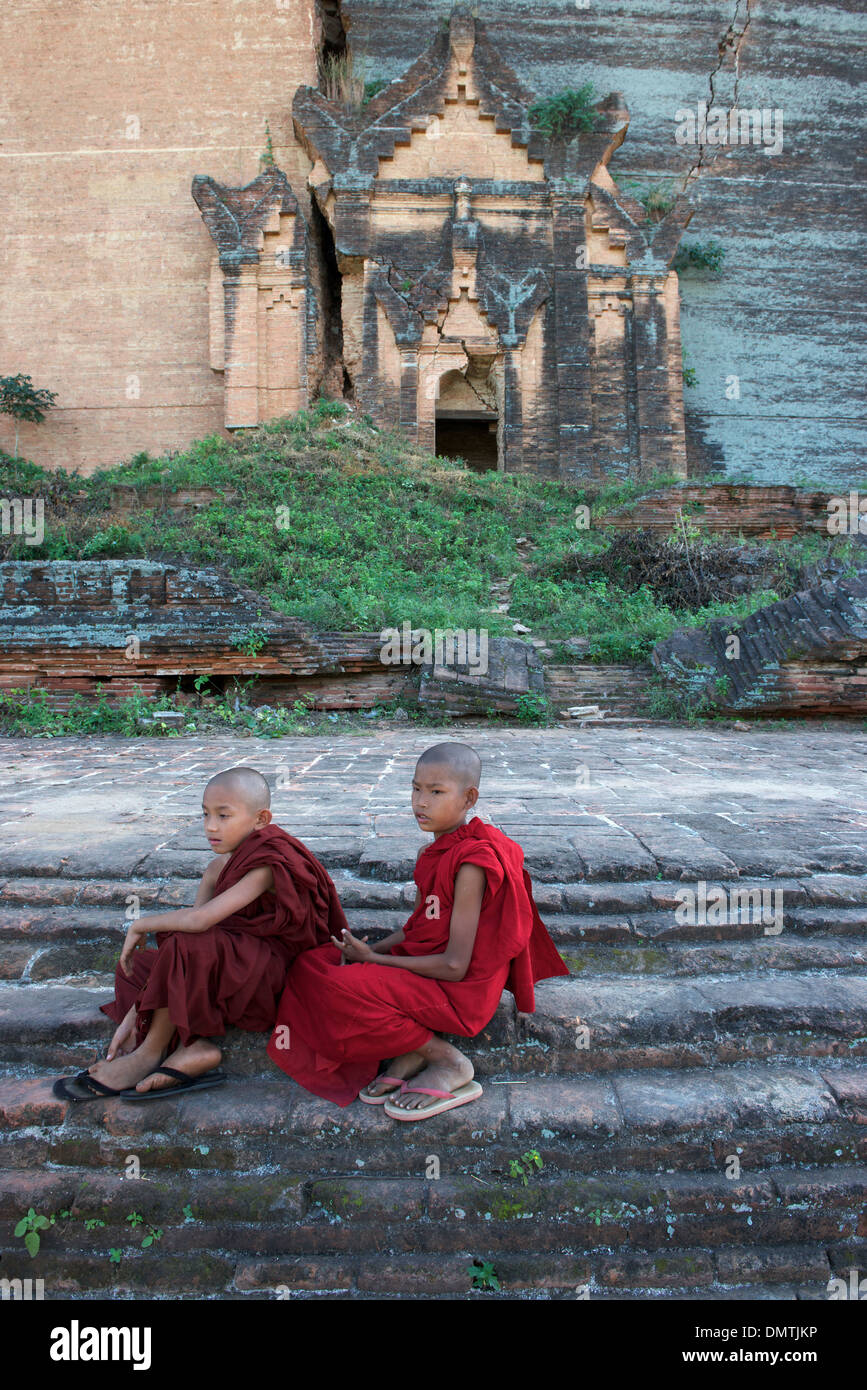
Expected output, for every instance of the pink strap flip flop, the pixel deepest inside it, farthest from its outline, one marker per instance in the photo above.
(446, 1100)
(396, 1082)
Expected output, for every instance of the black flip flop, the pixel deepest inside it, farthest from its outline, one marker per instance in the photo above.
(186, 1083)
(95, 1090)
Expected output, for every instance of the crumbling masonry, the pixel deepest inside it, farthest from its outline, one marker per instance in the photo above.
(499, 296)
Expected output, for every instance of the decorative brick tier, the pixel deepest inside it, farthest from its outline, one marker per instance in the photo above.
(804, 655)
(729, 507)
(68, 625)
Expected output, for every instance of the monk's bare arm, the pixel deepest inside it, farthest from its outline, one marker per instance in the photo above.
(208, 914)
(199, 918)
(452, 963)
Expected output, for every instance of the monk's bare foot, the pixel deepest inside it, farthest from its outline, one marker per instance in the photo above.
(124, 1071)
(198, 1057)
(404, 1067)
(447, 1069)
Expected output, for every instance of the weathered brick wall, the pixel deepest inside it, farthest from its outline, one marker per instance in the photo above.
(67, 625)
(787, 317)
(727, 507)
(103, 290)
(806, 655)
(105, 259)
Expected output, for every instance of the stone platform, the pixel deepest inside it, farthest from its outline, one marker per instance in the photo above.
(697, 1090)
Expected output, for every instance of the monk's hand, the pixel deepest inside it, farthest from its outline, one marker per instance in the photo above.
(124, 1037)
(353, 950)
(135, 938)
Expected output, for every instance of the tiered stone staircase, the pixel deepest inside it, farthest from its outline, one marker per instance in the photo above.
(696, 1095)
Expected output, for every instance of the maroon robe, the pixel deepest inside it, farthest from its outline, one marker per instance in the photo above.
(337, 1022)
(233, 974)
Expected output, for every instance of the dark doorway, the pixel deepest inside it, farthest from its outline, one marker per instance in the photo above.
(470, 438)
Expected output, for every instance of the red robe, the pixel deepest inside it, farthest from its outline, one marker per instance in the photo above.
(336, 1023)
(233, 974)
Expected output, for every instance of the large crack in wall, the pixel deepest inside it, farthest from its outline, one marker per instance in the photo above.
(335, 380)
(729, 46)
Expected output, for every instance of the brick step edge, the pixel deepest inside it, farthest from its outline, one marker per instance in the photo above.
(685, 1272)
(765, 1115)
(527, 1060)
(622, 883)
(625, 1204)
(61, 921)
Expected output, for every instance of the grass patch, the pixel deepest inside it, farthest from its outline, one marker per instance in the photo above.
(354, 528)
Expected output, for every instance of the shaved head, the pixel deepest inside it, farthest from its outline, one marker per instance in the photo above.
(245, 784)
(462, 761)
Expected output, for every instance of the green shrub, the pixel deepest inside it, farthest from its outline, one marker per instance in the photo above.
(566, 114)
(700, 255)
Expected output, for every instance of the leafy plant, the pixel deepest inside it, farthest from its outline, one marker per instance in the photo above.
(483, 1275)
(372, 89)
(251, 642)
(532, 708)
(29, 1227)
(23, 401)
(266, 159)
(565, 114)
(525, 1166)
(700, 255)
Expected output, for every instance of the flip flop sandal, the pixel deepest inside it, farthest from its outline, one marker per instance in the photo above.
(92, 1089)
(447, 1101)
(397, 1081)
(184, 1080)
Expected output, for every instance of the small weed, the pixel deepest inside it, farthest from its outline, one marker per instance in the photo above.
(700, 255)
(525, 1166)
(29, 1227)
(154, 1234)
(566, 114)
(532, 708)
(483, 1275)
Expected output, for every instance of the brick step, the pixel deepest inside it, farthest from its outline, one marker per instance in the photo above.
(562, 1236)
(724, 1018)
(89, 959)
(778, 1114)
(678, 1274)
(614, 881)
(630, 894)
(296, 1214)
(684, 960)
(628, 1022)
(43, 941)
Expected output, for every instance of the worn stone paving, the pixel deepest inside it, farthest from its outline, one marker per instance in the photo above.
(700, 1042)
(601, 803)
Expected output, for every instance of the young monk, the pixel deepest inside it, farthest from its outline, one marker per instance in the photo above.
(220, 963)
(473, 931)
